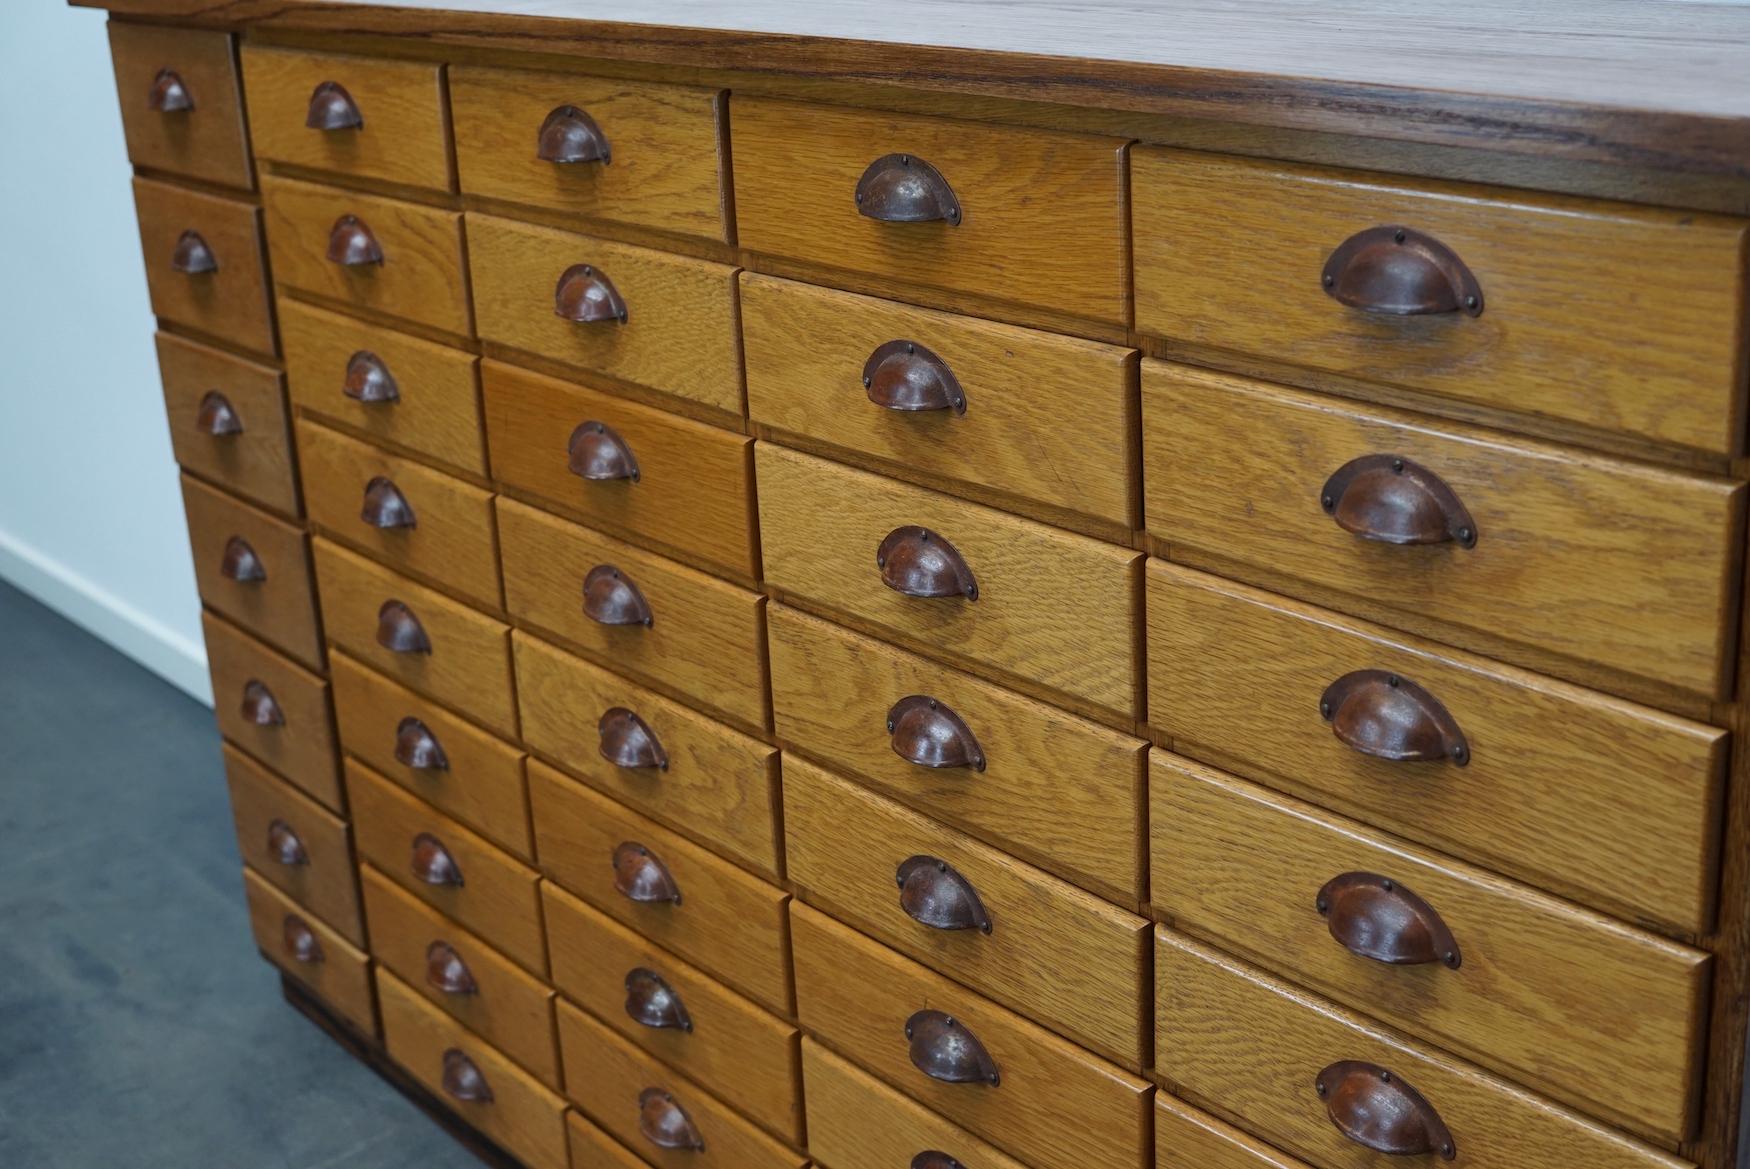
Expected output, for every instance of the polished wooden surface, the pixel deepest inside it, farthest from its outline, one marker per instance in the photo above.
(231, 302)
(256, 462)
(341, 976)
(1188, 1139)
(279, 607)
(301, 748)
(207, 141)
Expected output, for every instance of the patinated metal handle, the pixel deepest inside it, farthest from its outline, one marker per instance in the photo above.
(665, 1124)
(610, 598)
(919, 563)
(368, 379)
(935, 1159)
(418, 748)
(595, 452)
(1378, 1111)
(902, 188)
(1379, 713)
(927, 733)
(217, 417)
(399, 631)
(385, 507)
(640, 876)
(446, 973)
(463, 1080)
(352, 244)
(192, 256)
(168, 94)
(260, 707)
(1400, 272)
(584, 294)
(432, 862)
(568, 134)
(904, 376)
(652, 1002)
(300, 940)
(934, 894)
(944, 1050)
(1375, 917)
(284, 846)
(240, 563)
(332, 108)
(1390, 499)
(627, 740)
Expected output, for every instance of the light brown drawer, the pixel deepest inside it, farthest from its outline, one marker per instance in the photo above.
(677, 334)
(411, 517)
(273, 708)
(715, 785)
(591, 1148)
(1618, 318)
(694, 489)
(181, 103)
(1585, 557)
(301, 848)
(467, 664)
(1230, 1034)
(1188, 1139)
(1058, 791)
(1237, 675)
(444, 759)
(254, 569)
(1042, 213)
(419, 274)
(1054, 1105)
(228, 421)
(1033, 416)
(728, 922)
(719, 1039)
(1053, 609)
(223, 293)
(305, 947)
(1556, 997)
(1031, 941)
(460, 875)
(435, 403)
(519, 1113)
(462, 975)
(664, 144)
(399, 135)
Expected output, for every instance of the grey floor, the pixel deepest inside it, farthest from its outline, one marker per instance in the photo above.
(138, 1025)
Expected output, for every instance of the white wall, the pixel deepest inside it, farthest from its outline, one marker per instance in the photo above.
(90, 511)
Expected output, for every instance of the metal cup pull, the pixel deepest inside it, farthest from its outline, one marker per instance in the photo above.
(385, 507)
(284, 846)
(640, 876)
(665, 1124)
(586, 296)
(1375, 917)
(905, 377)
(569, 135)
(463, 1080)
(1387, 716)
(399, 631)
(352, 244)
(240, 564)
(445, 971)
(919, 563)
(168, 94)
(192, 256)
(260, 707)
(1400, 272)
(932, 893)
(1379, 1111)
(610, 598)
(929, 734)
(627, 741)
(595, 452)
(417, 748)
(332, 108)
(1395, 501)
(432, 862)
(368, 379)
(902, 188)
(943, 1049)
(300, 941)
(217, 417)
(652, 1002)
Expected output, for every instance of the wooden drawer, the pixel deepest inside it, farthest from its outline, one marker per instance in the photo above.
(591, 1148)
(228, 300)
(274, 709)
(736, 1050)
(1063, 793)
(1619, 318)
(1042, 213)
(1054, 609)
(468, 663)
(1578, 555)
(435, 410)
(1051, 951)
(1237, 675)
(1572, 1003)
(678, 333)
(664, 142)
(726, 921)
(1055, 1106)
(298, 846)
(694, 490)
(1042, 419)
(228, 421)
(480, 779)
(411, 517)
(714, 785)
(182, 109)
(1188, 1139)
(399, 106)
(705, 639)
(461, 875)
(1230, 1034)
(615, 1083)
(522, 1115)
(305, 947)
(420, 275)
(463, 976)
(254, 569)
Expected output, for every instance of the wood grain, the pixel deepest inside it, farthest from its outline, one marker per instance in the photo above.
(1188, 1139)
(281, 608)
(207, 141)
(257, 462)
(591, 1148)
(231, 302)
(302, 748)
(341, 978)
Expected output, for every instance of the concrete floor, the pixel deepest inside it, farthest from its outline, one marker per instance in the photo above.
(138, 1025)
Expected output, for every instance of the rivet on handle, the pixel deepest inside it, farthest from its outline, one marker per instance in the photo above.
(192, 256)
(260, 707)
(943, 1049)
(1392, 500)
(332, 108)
(168, 94)
(1379, 1111)
(569, 135)
(240, 563)
(902, 188)
(1387, 716)
(933, 893)
(1375, 917)
(1400, 272)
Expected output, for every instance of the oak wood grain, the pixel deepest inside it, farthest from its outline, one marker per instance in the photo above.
(231, 302)
(1188, 1139)
(206, 141)
(256, 462)
(279, 608)
(341, 977)
(592, 1148)
(301, 749)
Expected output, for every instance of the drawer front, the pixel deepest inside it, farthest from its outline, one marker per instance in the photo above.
(444, 759)
(694, 490)
(1228, 1033)
(1618, 318)
(676, 332)
(1052, 951)
(591, 1148)
(1053, 609)
(1572, 1003)
(1041, 214)
(1188, 1139)
(1058, 791)
(228, 421)
(1054, 1106)
(1579, 555)
(664, 143)
(454, 970)
(412, 393)
(1633, 829)
(728, 922)
(467, 662)
(387, 120)
(254, 569)
(460, 875)
(651, 753)
(705, 638)
(223, 291)
(274, 709)
(736, 1050)
(1036, 417)
(404, 513)
(306, 948)
(419, 274)
(182, 109)
(298, 846)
